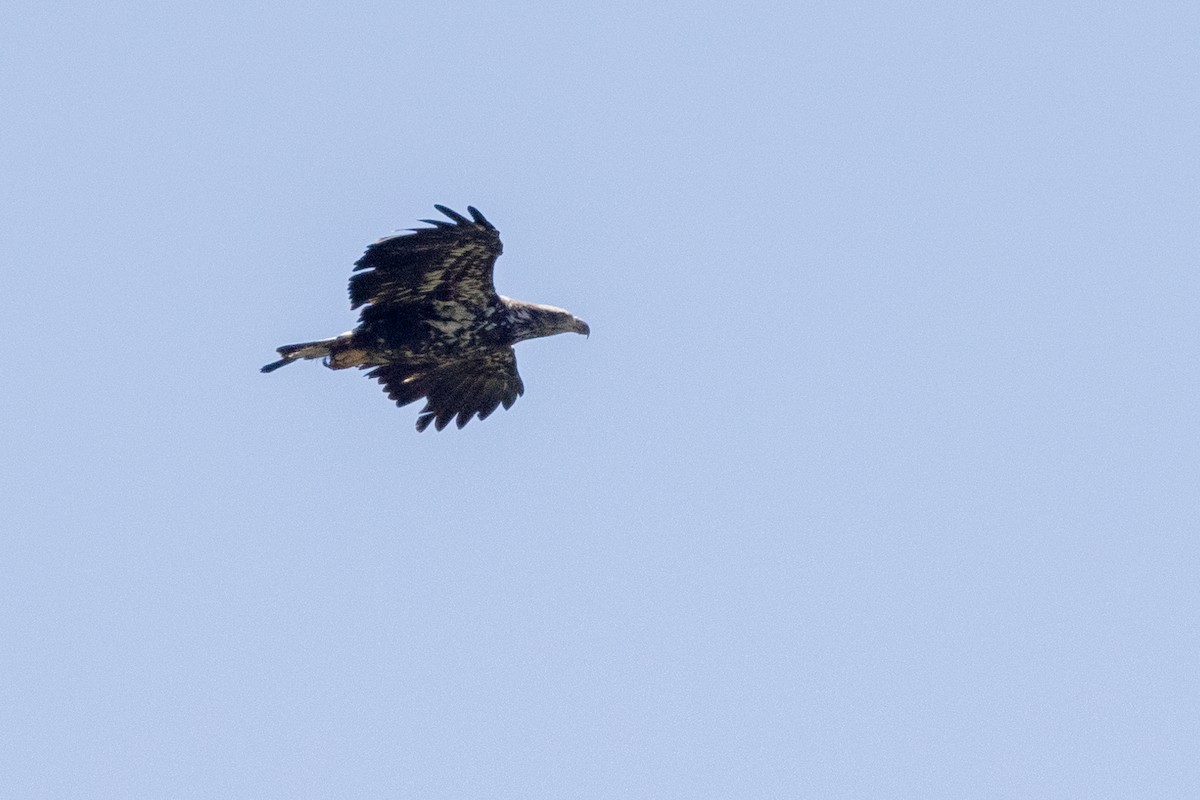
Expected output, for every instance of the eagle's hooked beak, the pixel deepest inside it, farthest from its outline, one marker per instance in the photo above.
(579, 326)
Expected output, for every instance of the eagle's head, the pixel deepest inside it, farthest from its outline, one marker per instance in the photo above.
(532, 321)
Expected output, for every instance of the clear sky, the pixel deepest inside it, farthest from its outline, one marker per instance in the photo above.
(876, 478)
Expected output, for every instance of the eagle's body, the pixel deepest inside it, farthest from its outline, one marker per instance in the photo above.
(432, 324)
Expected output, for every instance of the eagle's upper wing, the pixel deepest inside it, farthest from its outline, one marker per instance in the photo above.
(451, 261)
(460, 388)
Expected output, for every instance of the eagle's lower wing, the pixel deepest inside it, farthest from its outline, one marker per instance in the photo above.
(454, 389)
(450, 262)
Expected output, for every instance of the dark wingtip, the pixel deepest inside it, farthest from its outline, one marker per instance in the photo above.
(452, 214)
(274, 365)
(479, 218)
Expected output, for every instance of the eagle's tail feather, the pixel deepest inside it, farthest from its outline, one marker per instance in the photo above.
(295, 352)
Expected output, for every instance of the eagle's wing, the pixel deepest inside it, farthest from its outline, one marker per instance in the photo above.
(452, 261)
(461, 388)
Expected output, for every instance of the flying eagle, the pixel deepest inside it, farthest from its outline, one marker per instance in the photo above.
(432, 324)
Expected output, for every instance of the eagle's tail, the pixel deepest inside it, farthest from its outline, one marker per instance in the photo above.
(295, 352)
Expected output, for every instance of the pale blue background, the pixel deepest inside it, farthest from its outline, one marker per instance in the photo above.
(876, 478)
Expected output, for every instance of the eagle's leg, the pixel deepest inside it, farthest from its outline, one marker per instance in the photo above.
(343, 358)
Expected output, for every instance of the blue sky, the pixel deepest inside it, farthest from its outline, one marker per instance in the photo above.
(877, 476)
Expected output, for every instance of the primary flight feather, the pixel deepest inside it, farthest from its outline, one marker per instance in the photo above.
(432, 325)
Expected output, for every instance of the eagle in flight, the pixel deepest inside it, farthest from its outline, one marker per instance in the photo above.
(432, 325)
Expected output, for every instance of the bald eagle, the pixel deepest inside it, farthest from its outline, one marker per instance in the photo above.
(432, 325)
